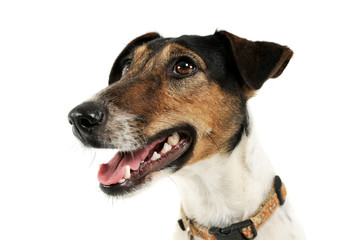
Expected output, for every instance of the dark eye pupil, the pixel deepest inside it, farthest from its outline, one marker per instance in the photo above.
(184, 68)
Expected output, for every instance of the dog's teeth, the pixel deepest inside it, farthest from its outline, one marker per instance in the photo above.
(127, 172)
(155, 156)
(122, 180)
(166, 148)
(174, 139)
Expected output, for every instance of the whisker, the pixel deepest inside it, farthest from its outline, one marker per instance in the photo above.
(92, 161)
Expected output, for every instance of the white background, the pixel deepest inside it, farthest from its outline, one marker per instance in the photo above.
(55, 54)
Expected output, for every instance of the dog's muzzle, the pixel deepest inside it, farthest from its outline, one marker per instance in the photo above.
(85, 118)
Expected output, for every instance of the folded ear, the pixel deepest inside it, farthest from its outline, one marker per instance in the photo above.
(257, 61)
(116, 72)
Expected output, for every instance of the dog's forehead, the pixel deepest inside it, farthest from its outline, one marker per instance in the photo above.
(211, 51)
(158, 44)
(201, 45)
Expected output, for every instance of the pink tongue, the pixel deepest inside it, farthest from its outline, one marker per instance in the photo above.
(113, 171)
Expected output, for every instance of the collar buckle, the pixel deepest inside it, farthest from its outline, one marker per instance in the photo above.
(233, 232)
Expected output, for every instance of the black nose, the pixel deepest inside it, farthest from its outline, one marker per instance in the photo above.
(85, 117)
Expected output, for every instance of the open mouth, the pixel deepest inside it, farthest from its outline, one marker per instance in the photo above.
(127, 170)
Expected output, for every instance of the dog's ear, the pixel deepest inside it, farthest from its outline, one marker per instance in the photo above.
(257, 61)
(116, 71)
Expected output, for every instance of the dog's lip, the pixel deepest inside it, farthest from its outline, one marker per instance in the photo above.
(113, 172)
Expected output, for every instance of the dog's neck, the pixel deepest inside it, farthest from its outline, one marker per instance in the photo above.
(222, 190)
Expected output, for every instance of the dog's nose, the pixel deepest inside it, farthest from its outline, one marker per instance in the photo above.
(85, 117)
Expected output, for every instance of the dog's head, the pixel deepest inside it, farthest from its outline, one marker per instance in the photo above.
(172, 102)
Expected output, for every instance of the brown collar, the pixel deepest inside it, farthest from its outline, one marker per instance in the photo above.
(243, 230)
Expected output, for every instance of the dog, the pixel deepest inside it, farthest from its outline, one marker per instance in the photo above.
(178, 107)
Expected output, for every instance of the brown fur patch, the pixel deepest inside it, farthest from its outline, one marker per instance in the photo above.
(209, 112)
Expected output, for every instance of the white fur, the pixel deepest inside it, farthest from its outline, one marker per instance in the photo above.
(125, 136)
(224, 190)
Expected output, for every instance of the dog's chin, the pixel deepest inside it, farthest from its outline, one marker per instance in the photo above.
(130, 189)
(128, 172)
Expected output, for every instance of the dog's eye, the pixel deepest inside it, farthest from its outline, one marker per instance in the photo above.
(126, 68)
(184, 68)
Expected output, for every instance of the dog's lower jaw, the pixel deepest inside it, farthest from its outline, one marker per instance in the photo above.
(223, 190)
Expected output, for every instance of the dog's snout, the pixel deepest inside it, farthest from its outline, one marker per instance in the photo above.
(85, 117)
